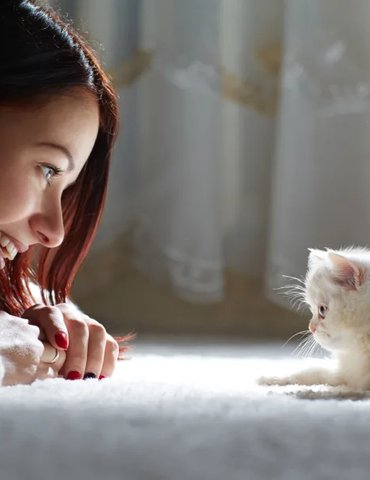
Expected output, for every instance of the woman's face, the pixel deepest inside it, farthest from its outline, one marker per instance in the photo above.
(42, 151)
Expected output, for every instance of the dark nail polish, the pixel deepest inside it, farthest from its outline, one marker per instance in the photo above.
(61, 340)
(74, 375)
(101, 377)
(89, 375)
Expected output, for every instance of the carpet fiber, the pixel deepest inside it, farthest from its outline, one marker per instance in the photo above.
(182, 410)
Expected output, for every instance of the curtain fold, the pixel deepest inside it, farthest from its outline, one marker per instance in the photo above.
(177, 228)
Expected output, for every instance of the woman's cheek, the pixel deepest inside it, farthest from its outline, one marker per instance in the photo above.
(17, 201)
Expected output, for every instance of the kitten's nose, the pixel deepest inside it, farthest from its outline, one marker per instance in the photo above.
(312, 327)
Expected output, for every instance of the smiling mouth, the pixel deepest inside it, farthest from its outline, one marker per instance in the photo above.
(9, 247)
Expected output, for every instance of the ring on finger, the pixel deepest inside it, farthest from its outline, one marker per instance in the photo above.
(50, 355)
(55, 357)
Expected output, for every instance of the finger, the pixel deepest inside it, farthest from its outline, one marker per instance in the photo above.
(110, 357)
(51, 321)
(76, 355)
(96, 350)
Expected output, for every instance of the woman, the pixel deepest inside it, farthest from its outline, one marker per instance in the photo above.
(58, 123)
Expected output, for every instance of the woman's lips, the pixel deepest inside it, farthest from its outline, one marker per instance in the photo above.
(9, 248)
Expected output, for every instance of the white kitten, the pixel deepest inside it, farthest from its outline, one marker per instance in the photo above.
(337, 290)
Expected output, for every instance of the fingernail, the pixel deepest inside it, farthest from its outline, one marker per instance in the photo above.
(101, 377)
(61, 340)
(89, 375)
(74, 375)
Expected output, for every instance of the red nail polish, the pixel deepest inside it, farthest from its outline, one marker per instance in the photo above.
(74, 375)
(101, 377)
(61, 340)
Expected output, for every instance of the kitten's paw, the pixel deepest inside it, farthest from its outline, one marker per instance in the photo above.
(270, 381)
(309, 377)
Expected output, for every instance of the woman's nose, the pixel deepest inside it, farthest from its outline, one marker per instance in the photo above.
(48, 226)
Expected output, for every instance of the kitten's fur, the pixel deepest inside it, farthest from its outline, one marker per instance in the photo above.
(337, 290)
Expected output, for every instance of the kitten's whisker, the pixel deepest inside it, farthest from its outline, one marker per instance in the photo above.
(311, 351)
(299, 348)
(297, 279)
(298, 288)
(301, 304)
(311, 347)
(306, 346)
(303, 332)
(291, 288)
(297, 302)
(295, 292)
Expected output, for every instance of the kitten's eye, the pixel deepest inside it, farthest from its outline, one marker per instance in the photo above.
(322, 310)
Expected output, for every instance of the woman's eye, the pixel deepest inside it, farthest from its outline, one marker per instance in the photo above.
(322, 311)
(50, 171)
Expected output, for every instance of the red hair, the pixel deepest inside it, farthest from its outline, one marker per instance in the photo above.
(41, 55)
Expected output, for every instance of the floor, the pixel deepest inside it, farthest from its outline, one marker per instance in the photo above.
(185, 410)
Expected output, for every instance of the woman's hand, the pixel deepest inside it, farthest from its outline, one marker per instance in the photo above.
(90, 351)
(23, 356)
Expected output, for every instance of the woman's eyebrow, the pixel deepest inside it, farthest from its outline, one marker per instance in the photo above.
(62, 149)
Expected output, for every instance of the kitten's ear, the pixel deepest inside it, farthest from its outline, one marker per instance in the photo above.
(347, 273)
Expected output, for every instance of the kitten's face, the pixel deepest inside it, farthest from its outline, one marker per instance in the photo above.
(336, 290)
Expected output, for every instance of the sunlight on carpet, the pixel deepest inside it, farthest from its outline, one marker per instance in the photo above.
(186, 410)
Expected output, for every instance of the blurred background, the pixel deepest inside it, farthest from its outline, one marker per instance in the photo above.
(245, 139)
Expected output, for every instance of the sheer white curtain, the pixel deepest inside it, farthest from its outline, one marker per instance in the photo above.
(211, 172)
(321, 181)
(206, 133)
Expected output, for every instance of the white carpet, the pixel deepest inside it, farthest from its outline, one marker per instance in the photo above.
(182, 411)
